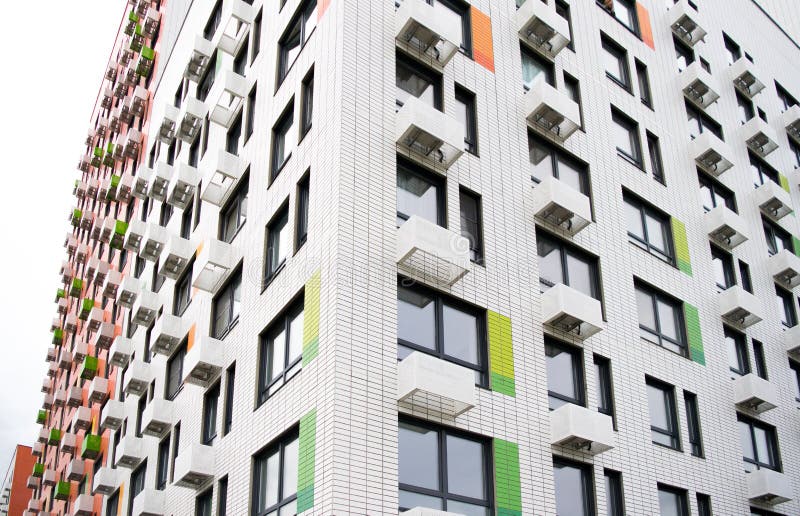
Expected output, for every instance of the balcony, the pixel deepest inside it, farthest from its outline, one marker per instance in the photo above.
(176, 256)
(160, 182)
(194, 466)
(79, 351)
(153, 242)
(191, 121)
(74, 397)
(133, 238)
(98, 390)
(754, 393)
(431, 384)
(125, 187)
(237, 17)
(791, 340)
(82, 419)
(421, 32)
(139, 103)
(95, 319)
(52, 369)
(168, 332)
(51, 357)
(234, 89)
(75, 470)
(203, 363)
(144, 65)
(60, 398)
(105, 481)
(138, 378)
(111, 285)
(89, 368)
(68, 443)
(32, 484)
(71, 323)
(542, 28)
(215, 261)
(133, 143)
(85, 308)
(43, 434)
(551, 112)
(157, 417)
(427, 135)
(84, 163)
(199, 60)
(686, 23)
(38, 449)
(151, 22)
(128, 291)
(150, 502)
(790, 119)
(49, 477)
(86, 220)
(561, 206)
(576, 427)
(120, 353)
(47, 403)
(182, 186)
(62, 490)
(773, 201)
(167, 129)
(745, 78)
(65, 360)
(725, 227)
(141, 183)
(47, 385)
(570, 311)
(112, 415)
(115, 118)
(739, 307)
(224, 178)
(431, 252)
(130, 451)
(145, 308)
(759, 136)
(698, 86)
(84, 505)
(107, 226)
(107, 98)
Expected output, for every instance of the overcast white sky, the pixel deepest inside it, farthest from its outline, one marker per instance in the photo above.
(51, 74)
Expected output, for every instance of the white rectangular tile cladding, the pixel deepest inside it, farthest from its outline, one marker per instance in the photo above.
(343, 399)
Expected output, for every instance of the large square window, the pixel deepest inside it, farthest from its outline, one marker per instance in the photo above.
(759, 444)
(275, 473)
(615, 60)
(649, 229)
(234, 213)
(564, 374)
(574, 487)
(284, 140)
(672, 501)
(534, 67)
(660, 319)
(547, 160)
(279, 243)
(563, 263)
(225, 307)
(418, 193)
(412, 79)
(625, 134)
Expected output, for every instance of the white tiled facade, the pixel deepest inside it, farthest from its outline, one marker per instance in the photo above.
(350, 155)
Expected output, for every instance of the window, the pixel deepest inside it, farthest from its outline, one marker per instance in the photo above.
(250, 121)
(626, 137)
(795, 367)
(165, 214)
(234, 136)
(744, 275)
(762, 172)
(275, 477)
(284, 140)
(256, 35)
(465, 112)
(683, 53)
(174, 380)
(564, 374)
(722, 263)
(183, 292)
(713, 194)
(225, 307)
(745, 109)
(222, 497)
(186, 220)
(795, 149)
(112, 504)
(442, 327)
(778, 239)
(700, 122)
(213, 21)
(644, 84)
(204, 140)
(785, 98)
(574, 487)
(605, 387)
(786, 307)
(230, 381)
(573, 89)
(278, 243)
(663, 414)
(615, 500)
(281, 351)
(414, 80)
(300, 29)
(210, 405)
(158, 279)
(418, 193)
(443, 469)
(703, 504)
(163, 464)
(563, 263)
(759, 444)
(534, 67)
(471, 223)
(547, 160)
(649, 229)
(615, 60)
(307, 109)
(760, 360)
(136, 484)
(732, 51)
(205, 84)
(456, 13)
(301, 227)
(624, 11)
(693, 422)
(203, 505)
(660, 319)
(656, 164)
(198, 205)
(139, 413)
(233, 216)
(672, 501)
(176, 441)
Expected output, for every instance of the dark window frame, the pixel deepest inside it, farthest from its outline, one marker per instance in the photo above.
(587, 479)
(615, 496)
(236, 207)
(417, 68)
(693, 423)
(477, 248)
(435, 180)
(774, 234)
(278, 444)
(566, 250)
(280, 131)
(302, 207)
(671, 407)
(468, 99)
(643, 80)
(727, 261)
(682, 494)
(272, 240)
(578, 374)
(773, 449)
(282, 324)
(619, 53)
(227, 290)
(647, 210)
(306, 103)
(718, 192)
(635, 140)
(605, 387)
(177, 359)
(298, 23)
(659, 296)
(209, 432)
(557, 155)
(789, 317)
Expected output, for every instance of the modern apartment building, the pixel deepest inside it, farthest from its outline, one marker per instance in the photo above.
(432, 257)
(14, 494)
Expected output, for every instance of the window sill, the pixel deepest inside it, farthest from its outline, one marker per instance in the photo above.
(631, 160)
(228, 330)
(300, 244)
(615, 80)
(182, 311)
(666, 447)
(269, 279)
(235, 234)
(276, 171)
(303, 133)
(635, 244)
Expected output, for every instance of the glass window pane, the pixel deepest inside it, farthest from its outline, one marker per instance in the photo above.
(561, 372)
(762, 445)
(644, 302)
(416, 318)
(273, 473)
(570, 175)
(622, 138)
(532, 68)
(409, 500)
(277, 357)
(290, 461)
(550, 272)
(460, 334)
(569, 490)
(541, 160)
(418, 456)
(669, 503)
(657, 402)
(668, 319)
(633, 221)
(656, 233)
(450, 18)
(467, 509)
(416, 196)
(295, 338)
(290, 509)
(410, 83)
(465, 467)
(580, 274)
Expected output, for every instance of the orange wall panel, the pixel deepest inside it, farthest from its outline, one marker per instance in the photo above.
(644, 25)
(482, 47)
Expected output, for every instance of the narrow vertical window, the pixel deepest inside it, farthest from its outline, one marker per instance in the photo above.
(233, 138)
(744, 276)
(308, 103)
(251, 114)
(203, 505)
(795, 367)
(162, 468)
(644, 84)
(615, 500)
(625, 133)
(615, 59)
(230, 381)
(573, 89)
(605, 389)
(176, 441)
(760, 360)
(693, 421)
(283, 140)
(174, 381)
(136, 484)
(256, 35)
(471, 224)
(703, 504)
(465, 113)
(574, 487)
(222, 497)
(278, 243)
(301, 230)
(656, 163)
(210, 405)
